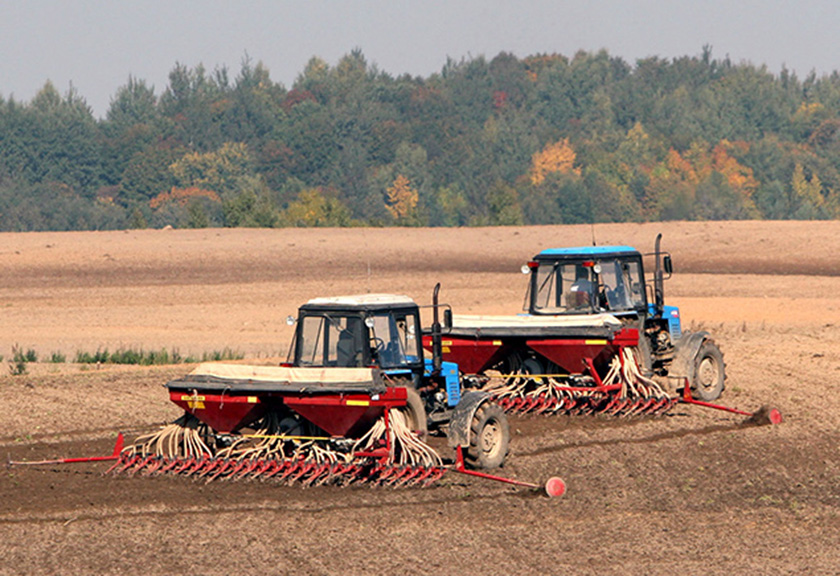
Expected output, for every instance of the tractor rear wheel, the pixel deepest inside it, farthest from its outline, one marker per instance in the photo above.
(489, 437)
(709, 375)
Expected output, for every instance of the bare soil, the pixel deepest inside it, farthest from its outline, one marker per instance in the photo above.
(693, 492)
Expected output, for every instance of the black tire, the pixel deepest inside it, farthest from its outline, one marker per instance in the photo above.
(511, 364)
(489, 437)
(644, 356)
(415, 411)
(532, 365)
(707, 381)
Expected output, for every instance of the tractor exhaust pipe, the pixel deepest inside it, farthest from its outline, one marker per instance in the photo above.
(658, 280)
(437, 348)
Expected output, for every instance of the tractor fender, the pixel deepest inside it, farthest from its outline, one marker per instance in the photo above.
(462, 415)
(682, 366)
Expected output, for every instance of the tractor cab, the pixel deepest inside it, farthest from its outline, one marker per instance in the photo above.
(606, 280)
(589, 280)
(372, 330)
(379, 330)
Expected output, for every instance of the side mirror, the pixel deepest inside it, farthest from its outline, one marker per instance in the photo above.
(668, 265)
(447, 318)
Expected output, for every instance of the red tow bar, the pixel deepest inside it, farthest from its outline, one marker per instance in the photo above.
(762, 416)
(553, 487)
(117, 449)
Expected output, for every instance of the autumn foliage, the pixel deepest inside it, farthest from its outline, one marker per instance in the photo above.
(182, 196)
(401, 198)
(556, 157)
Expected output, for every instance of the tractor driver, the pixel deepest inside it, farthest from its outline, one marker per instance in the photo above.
(580, 295)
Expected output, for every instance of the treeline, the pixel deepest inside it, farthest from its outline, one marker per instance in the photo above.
(543, 139)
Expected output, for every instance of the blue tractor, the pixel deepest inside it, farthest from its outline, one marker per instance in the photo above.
(610, 280)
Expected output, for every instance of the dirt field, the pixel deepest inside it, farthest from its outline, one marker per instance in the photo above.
(693, 492)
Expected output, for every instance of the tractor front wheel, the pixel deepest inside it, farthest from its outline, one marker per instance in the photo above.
(415, 412)
(709, 375)
(489, 437)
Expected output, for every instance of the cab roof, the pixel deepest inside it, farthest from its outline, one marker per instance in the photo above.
(362, 301)
(587, 252)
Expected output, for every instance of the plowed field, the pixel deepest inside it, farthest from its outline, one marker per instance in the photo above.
(691, 492)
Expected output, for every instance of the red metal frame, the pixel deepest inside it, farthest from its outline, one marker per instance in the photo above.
(686, 398)
(115, 455)
(459, 467)
(553, 487)
(773, 415)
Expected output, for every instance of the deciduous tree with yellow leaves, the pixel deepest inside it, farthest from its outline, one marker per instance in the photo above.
(401, 199)
(554, 157)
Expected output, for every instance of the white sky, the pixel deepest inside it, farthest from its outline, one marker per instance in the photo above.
(96, 44)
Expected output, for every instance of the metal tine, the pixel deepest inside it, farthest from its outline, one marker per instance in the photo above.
(183, 465)
(381, 473)
(427, 473)
(210, 466)
(273, 467)
(199, 464)
(315, 474)
(305, 468)
(437, 475)
(240, 464)
(639, 407)
(660, 405)
(227, 464)
(334, 472)
(515, 404)
(394, 478)
(352, 474)
(531, 403)
(611, 404)
(280, 468)
(160, 461)
(632, 407)
(542, 402)
(171, 465)
(264, 466)
(412, 477)
(620, 405)
(291, 468)
(247, 470)
(260, 470)
(140, 465)
(650, 405)
(131, 461)
(411, 482)
(116, 464)
(585, 407)
(567, 404)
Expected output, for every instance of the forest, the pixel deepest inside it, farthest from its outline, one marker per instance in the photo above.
(545, 139)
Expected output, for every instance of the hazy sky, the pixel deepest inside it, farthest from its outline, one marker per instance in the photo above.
(96, 44)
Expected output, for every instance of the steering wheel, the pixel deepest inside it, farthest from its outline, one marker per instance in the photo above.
(379, 344)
